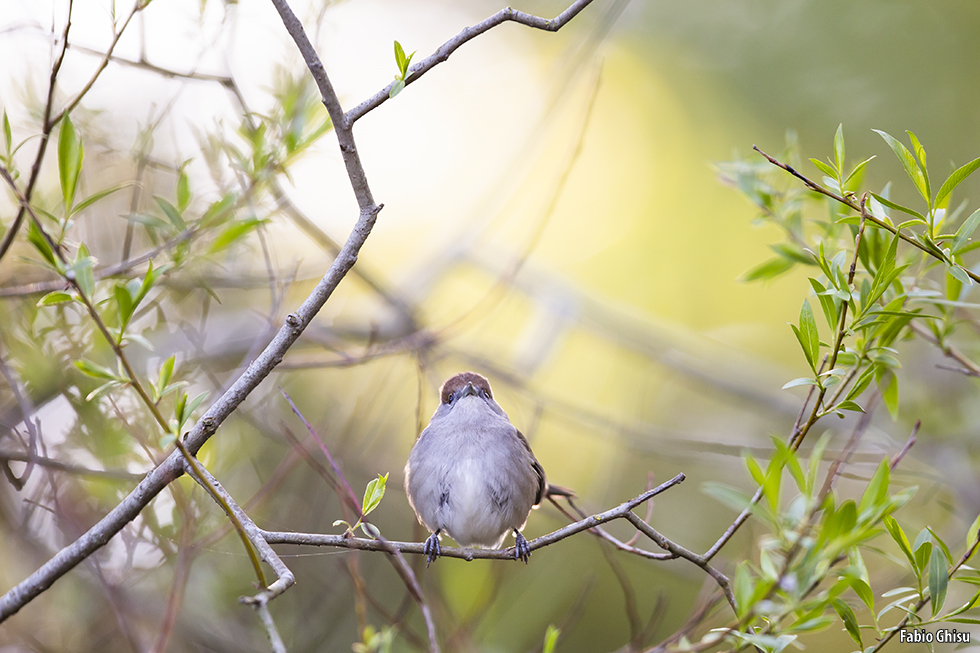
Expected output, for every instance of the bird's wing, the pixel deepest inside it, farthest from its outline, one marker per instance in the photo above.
(538, 470)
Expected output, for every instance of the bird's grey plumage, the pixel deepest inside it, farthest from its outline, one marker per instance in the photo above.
(471, 473)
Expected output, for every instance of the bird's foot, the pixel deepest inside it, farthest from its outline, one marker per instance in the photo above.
(431, 549)
(522, 550)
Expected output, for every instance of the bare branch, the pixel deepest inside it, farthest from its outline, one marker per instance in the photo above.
(453, 44)
(620, 512)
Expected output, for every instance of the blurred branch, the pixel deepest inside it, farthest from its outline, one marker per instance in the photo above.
(41, 461)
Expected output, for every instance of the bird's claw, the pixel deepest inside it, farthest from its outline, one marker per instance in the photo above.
(431, 549)
(522, 550)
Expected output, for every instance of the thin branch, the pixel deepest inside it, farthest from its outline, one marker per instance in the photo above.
(46, 126)
(270, 628)
(416, 548)
(847, 201)
(50, 463)
(970, 368)
(453, 44)
(681, 552)
(255, 536)
(295, 323)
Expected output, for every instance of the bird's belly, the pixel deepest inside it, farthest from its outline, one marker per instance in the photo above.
(479, 514)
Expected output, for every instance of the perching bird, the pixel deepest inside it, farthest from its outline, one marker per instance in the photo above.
(471, 473)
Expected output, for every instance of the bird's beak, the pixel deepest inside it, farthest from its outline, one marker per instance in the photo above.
(469, 390)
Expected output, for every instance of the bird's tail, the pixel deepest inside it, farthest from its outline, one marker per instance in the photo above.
(559, 491)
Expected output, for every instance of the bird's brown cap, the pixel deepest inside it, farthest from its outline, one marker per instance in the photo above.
(455, 383)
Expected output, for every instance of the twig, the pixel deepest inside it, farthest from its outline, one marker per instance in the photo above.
(453, 44)
(46, 126)
(416, 548)
(814, 186)
(50, 463)
(173, 466)
(800, 431)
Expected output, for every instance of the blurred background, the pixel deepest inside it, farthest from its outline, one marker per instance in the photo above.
(553, 219)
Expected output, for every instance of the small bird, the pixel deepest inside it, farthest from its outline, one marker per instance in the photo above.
(471, 473)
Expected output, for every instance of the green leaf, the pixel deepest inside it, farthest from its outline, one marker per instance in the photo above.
(803, 380)
(754, 469)
(827, 303)
(744, 587)
(70, 154)
(149, 220)
(183, 190)
(729, 496)
(769, 269)
(397, 88)
(847, 615)
(954, 180)
(234, 232)
(8, 139)
(373, 493)
(895, 530)
(898, 207)
(965, 231)
(94, 370)
(909, 163)
(101, 390)
(218, 211)
(56, 297)
(849, 405)
(550, 639)
(861, 384)
(889, 392)
(920, 153)
(972, 533)
(124, 303)
(938, 540)
(958, 273)
(81, 272)
(808, 335)
(172, 214)
(792, 462)
(816, 456)
(399, 56)
(923, 552)
(41, 244)
(839, 149)
(877, 490)
(824, 168)
(938, 580)
(195, 402)
(863, 590)
(92, 199)
(858, 169)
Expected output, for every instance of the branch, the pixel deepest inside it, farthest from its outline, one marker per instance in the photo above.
(453, 44)
(620, 512)
(50, 463)
(295, 323)
(46, 126)
(847, 201)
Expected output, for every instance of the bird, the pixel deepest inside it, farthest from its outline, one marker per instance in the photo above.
(471, 474)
